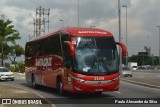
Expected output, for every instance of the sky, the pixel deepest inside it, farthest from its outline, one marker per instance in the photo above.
(143, 18)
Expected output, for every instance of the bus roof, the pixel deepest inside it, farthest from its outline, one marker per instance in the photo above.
(78, 31)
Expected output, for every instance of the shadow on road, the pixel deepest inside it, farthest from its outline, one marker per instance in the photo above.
(67, 94)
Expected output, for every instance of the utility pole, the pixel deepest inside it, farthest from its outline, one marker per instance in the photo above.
(46, 12)
(78, 12)
(39, 21)
(34, 24)
(119, 17)
(62, 22)
(159, 44)
(126, 34)
(152, 59)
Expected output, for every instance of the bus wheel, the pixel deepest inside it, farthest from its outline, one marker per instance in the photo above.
(60, 87)
(34, 85)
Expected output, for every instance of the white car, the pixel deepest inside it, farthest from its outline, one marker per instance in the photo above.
(6, 74)
(126, 71)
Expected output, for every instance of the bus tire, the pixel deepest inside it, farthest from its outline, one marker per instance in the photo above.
(60, 86)
(34, 85)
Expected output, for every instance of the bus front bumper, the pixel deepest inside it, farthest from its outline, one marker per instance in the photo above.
(96, 86)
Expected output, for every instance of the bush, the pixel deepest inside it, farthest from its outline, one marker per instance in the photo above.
(20, 67)
(16, 69)
(12, 68)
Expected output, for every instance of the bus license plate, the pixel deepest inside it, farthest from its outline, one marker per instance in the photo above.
(98, 89)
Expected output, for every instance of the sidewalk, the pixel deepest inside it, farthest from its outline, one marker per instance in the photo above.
(148, 79)
(11, 92)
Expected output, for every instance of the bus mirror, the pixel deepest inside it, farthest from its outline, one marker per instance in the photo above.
(124, 48)
(71, 46)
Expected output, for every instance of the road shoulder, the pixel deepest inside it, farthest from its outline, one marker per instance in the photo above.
(13, 92)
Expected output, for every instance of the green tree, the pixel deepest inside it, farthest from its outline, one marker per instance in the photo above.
(15, 51)
(144, 60)
(8, 37)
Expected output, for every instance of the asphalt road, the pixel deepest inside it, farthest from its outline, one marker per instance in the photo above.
(145, 78)
(127, 90)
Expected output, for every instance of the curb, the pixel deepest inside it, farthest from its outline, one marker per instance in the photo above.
(19, 73)
(140, 83)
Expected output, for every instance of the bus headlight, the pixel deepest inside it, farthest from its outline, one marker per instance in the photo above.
(77, 79)
(115, 79)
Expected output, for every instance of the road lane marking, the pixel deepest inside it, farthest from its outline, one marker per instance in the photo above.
(143, 84)
(139, 85)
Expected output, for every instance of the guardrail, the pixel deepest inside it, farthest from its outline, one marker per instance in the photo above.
(147, 71)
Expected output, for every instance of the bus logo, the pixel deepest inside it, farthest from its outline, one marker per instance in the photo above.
(46, 62)
(91, 32)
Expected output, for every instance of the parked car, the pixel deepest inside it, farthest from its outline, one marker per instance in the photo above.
(6, 74)
(126, 71)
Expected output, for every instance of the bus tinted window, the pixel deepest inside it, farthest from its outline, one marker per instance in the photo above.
(48, 46)
(31, 49)
(52, 46)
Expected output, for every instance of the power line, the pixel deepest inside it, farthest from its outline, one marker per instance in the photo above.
(23, 28)
(4, 17)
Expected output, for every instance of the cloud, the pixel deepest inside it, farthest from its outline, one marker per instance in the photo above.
(136, 28)
(143, 16)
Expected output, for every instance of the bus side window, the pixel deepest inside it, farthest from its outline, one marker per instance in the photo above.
(30, 50)
(66, 50)
(27, 51)
(64, 37)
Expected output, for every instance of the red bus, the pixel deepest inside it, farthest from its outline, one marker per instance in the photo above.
(75, 60)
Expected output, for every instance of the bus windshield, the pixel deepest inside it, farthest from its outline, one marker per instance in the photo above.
(95, 56)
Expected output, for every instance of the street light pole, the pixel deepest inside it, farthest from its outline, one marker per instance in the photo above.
(159, 44)
(78, 12)
(62, 22)
(126, 34)
(119, 15)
